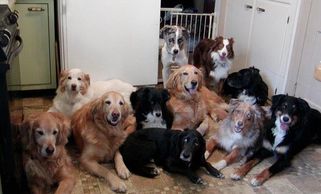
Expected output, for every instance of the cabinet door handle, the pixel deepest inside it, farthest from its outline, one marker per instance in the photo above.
(248, 6)
(259, 9)
(36, 9)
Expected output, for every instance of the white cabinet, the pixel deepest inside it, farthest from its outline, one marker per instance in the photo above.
(261, 29)
(111, 38)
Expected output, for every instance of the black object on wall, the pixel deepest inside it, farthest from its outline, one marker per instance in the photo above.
(10, 46)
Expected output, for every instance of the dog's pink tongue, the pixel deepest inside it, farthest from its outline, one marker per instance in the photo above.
(284, 126)
(192, 91)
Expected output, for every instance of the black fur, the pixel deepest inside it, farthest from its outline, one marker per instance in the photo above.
(247, 81)
(301, 132)
(148, 100)
(166, 148)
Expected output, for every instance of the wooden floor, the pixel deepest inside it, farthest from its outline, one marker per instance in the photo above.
(303, 177)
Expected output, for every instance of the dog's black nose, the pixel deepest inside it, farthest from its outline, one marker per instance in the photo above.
(73, 86)
(285, 119)
(175, 51)
(224, 54)
(158, 114)
(50, 150)
(240, 123)
(115, 115)
(194, 83)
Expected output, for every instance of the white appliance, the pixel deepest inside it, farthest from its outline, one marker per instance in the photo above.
(111, 38)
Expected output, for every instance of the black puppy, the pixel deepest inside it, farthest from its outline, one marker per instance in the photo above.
(149, 105)
(294, 126)
(246, 82)
(176, 151)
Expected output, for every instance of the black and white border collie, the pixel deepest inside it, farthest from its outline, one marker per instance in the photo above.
(149, 105)
(174, 50)
(293, 126)
(214, 57)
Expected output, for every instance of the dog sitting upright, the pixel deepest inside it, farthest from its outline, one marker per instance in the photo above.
(149, 105)
(174, 50)
(294, 125)
(214, 58)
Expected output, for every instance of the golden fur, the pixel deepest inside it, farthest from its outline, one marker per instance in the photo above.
(99, 132)
(192, 104)
(45, 159)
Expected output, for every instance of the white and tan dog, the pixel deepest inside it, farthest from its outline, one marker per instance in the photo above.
(174, 50)
(75, 90)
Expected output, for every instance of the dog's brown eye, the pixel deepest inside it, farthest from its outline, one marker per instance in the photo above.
(69, 77)
(54, 132)
(195, 72)
(249, 116)
(108, 102)
(185, 73)
(40, 132)
(121, 103)
(79, 78)
(180, 40)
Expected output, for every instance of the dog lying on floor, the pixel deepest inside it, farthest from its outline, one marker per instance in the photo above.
(99, 128)
(294, 125)
(176, 151)
(214, 58)
(192, 104)
(45, 160)
(240, 134)
(246, 82)
(150, 109)
(75, 90)
(174, 50)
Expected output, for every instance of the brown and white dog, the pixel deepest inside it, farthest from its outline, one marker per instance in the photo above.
(214, 57)
(45, 159)
(191, 103)
(75, 89)
(73, 92)
(240, 133)
(99, 128)
(174, 50)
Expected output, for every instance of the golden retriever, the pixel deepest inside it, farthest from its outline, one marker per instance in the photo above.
(99, 128)
(240, 134)
(45, 159)
(192, 103)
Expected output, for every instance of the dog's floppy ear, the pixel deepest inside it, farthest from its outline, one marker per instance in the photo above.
(276, 101)
(172, 82)
(165, 95)
(134, 96)
(185, 33)
(259, 116)
(63, 128)
(234, 103)
(27, 131)
(231, 51)
(200, 78)
(303, 106)
(218, 40)
(62, 77)
(164, 31)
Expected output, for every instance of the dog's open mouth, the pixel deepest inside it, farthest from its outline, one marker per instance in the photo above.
(191, 90)
(284, 126)
(113, 121)
(238, 129)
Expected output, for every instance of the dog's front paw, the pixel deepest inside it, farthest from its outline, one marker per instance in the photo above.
(118, 186)
(199, 181)
(256, 182)
(220, 165)
(235, 176)
(123, 172)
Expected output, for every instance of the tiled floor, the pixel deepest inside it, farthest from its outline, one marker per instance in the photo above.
(303, 177)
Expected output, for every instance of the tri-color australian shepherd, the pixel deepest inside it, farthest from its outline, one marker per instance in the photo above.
(294, 125)
(175, 150)
(214, 57)
(150, 110)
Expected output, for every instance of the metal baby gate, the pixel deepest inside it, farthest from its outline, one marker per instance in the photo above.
(199, 25)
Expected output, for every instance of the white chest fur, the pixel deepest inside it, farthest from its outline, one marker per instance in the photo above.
(278, 134)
